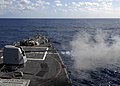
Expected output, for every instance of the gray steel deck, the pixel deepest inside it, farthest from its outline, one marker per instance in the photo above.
(44, 66)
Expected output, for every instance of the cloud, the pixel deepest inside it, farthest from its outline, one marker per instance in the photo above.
(5, 3)
(41, 2)
(64, 7)
(28, 5)
(24, 5)
(90, 6)
(94, 8)
(24, 2)
(106, 0)
(14, 6)
(5, 6)
(58, 3)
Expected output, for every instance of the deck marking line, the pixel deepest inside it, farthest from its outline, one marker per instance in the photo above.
(1, 57)
(45, 54)
(34, 59)
(42, 58)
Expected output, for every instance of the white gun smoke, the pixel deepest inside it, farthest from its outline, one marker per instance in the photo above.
(92, 51)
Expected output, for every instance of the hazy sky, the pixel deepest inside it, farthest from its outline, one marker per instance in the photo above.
(60, 8)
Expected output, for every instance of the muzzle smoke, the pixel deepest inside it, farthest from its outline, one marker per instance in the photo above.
(90, 51)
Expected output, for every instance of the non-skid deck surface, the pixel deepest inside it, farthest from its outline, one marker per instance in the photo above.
(47, 72)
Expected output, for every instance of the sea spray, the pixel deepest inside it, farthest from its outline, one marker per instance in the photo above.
(90, 51)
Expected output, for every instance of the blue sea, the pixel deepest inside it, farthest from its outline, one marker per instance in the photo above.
(89, 47)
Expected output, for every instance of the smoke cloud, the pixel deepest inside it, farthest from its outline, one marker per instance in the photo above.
(100, 49)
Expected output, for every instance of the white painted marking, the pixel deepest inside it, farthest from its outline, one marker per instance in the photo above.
(45, 54)
(1, 57)
(35, 47)
(14, 82)
(40, 59)
(34, 59)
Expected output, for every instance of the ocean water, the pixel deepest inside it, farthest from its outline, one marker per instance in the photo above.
(89, 47)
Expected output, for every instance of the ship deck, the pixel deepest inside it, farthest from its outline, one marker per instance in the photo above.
(44, 66)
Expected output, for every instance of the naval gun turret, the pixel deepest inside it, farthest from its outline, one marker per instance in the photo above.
(13, 55)
(14, 58)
